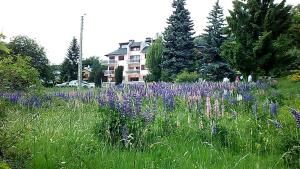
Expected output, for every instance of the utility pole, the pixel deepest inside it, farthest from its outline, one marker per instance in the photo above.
(80, 54)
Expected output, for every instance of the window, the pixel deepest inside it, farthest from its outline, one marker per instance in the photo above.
(133, 79)
(135, 57)
(143, 67)
(111, 68)
(112, 57)
(121, 57)
(135, 49)
(137, 68)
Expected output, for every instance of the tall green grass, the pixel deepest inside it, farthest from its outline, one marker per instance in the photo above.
(65, 135)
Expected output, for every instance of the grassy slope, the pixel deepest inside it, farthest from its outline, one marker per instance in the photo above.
(64, 137)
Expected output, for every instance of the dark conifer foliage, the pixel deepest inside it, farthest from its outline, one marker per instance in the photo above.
(178, 53)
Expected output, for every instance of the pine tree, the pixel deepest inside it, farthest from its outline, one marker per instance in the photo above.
(178, 53)
(212, 66)
(70, 64)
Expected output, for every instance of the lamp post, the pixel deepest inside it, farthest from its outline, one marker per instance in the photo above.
(80, 54)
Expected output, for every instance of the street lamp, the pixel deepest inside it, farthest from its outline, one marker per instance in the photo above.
(80, 54)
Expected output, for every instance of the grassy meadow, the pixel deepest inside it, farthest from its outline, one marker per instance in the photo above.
(171, 128)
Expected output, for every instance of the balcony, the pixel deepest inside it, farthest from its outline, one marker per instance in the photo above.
(134, 61)
(109, 72)
(109, 62)
(133, 71)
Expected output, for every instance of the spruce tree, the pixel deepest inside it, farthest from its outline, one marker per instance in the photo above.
(178, 53)
(70, 63)
(212, 66)
(214, 34)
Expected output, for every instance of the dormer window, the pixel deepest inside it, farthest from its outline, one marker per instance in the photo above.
(135, 49)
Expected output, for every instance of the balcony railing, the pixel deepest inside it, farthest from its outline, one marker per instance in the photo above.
(132, 61)
(109, 72)
(109, 62)
(132, 71)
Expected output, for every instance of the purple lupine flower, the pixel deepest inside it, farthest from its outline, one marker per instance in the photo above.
(32, 101)
(213, 128)
(273, 109)
(101, 102)
(111, 99)
(248, 97)
(138, 104)
(126, 107)
(208, 107)
(296, 116)
(148, 115)
(276, 123)
(217, 108)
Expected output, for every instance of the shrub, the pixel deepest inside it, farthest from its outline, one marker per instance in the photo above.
(295, 77)
(17, 74)
(186, 76)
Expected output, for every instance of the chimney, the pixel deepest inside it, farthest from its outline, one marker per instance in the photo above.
(148, 40)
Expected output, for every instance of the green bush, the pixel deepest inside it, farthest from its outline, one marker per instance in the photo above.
(186, 76)
(17, 74)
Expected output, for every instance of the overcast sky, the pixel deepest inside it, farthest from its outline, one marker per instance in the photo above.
(53, 23)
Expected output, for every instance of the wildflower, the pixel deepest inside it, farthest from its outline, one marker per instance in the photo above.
(276, 123)
(273, 109)
(213, 128)
(217, 108)
(296, 116)
(208, 107)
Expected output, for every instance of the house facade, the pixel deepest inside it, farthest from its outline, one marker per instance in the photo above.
(132, 57)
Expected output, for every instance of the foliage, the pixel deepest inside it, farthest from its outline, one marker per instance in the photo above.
(97, 70)
(69, 66)
(186, 76)
(217, 71)
(23, 46)
(178, 53)
(214, 34)
(262, 23)
(295, 77)
(119, 75)
(3, 46)
(16, 74)
(212, 66)
(154, 56)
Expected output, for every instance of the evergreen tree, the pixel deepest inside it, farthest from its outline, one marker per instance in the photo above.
(153, 61)
(212, 66)
(119, 75)
(178, 53)
(256, 25)
(214, 36)
(70, 63)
